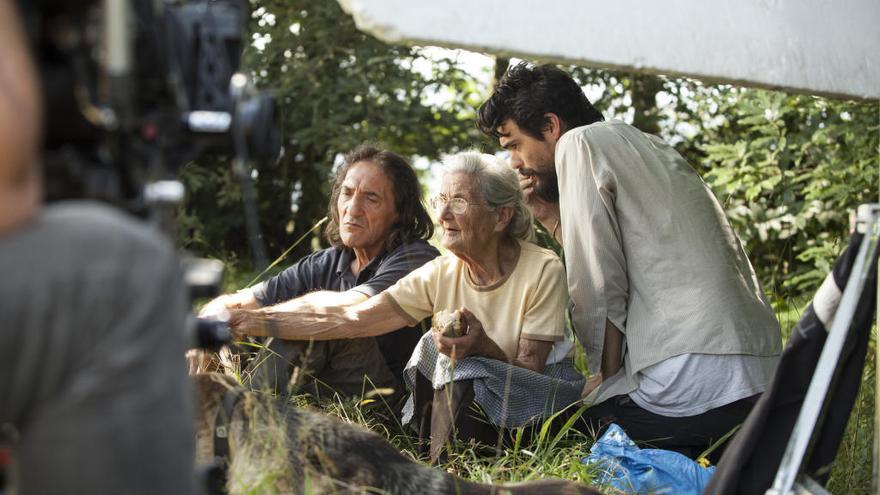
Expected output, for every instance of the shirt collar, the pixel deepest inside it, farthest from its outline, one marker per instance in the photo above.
(343, 266)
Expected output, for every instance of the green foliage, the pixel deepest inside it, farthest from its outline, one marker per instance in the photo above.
(336, 87)
(789, 170)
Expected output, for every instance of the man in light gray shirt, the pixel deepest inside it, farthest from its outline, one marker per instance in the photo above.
(663, 297)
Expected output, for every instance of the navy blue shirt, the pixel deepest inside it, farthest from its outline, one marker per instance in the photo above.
(330, 269)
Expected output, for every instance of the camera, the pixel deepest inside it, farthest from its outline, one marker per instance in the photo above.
(135, 89)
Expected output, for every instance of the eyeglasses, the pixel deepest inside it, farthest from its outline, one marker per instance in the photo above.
(456, 205)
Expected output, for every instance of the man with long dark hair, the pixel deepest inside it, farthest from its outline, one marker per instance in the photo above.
(378, 230)
(664, 299)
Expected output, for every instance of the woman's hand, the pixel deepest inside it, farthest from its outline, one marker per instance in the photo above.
(475, 342)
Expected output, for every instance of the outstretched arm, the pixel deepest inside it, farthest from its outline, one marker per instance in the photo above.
(222, 306)
(243, 299)
(314, 318)
(314, 301)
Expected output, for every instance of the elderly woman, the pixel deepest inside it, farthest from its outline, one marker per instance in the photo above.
(514, 357)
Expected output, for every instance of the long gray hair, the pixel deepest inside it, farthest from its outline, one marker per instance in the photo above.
(498, 186)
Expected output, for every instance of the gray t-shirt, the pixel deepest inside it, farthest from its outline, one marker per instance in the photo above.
(91, 345)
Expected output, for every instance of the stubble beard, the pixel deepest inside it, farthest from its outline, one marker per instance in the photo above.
(546, 183)
(547, 187)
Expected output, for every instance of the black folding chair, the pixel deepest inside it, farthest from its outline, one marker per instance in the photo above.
(789, 441)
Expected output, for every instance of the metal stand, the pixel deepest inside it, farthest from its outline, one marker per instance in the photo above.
(789, 478)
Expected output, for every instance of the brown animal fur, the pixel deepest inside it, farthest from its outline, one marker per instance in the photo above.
(278, 449)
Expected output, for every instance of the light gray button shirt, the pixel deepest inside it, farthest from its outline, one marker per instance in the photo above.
(648, 247)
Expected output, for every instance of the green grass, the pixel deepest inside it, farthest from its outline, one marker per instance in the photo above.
(545, 456)
(851, 472)
(559, 456)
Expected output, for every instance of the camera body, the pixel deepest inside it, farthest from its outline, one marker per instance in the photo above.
(135, 89)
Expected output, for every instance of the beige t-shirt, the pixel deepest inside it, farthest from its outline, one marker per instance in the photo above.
(529, 302)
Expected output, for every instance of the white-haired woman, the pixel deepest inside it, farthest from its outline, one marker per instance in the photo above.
(514, 359)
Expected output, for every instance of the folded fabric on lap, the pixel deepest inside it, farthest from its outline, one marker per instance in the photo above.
(511, 396)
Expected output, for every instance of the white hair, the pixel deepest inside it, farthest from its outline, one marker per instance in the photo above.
(498, 186)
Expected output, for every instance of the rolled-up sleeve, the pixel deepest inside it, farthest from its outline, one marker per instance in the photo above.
(293, 282)
(594, 255)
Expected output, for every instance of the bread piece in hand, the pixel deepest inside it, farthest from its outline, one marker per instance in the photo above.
(448, 323)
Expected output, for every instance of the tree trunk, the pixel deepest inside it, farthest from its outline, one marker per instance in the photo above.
(644, 101)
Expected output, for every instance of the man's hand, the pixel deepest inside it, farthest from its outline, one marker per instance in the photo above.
(475, 342)
(592, 382)
(218, 307)
(242, 322)
(256, 323)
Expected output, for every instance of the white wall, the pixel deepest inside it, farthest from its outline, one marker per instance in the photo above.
(827, 47)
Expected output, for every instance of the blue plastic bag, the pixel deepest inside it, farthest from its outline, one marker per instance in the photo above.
(626, 467)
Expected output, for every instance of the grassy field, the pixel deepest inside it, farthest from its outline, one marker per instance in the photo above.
(547, 456)
(559, 457)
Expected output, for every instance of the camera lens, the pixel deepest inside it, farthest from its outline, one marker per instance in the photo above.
(257, 118)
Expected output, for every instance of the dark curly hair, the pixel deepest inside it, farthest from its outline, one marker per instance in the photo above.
(413, 221)
(526, 93)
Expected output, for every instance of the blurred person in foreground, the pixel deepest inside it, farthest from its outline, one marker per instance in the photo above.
(514, 359)
(379, 230)
(92, 379)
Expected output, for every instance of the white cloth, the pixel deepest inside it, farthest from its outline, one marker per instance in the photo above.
(692, 384)
(509, 395)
